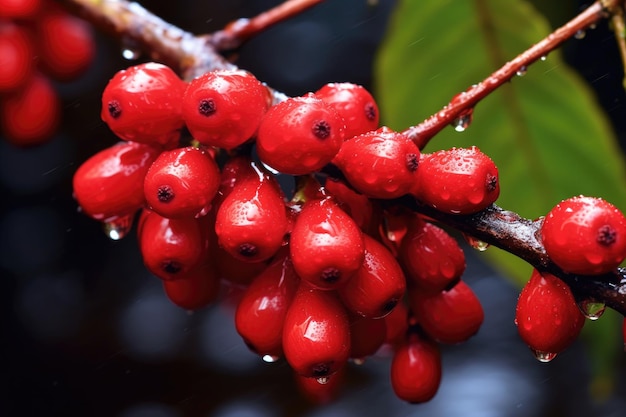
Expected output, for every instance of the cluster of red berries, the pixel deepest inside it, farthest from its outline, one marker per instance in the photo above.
(39, 42)
(330, 274)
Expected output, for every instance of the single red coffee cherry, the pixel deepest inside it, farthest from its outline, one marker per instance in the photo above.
(326, 245)
(198, 288)
(300, 135)
(449, 316)
(232, 270)
(109, 185)
(354, 103)
(143, 104)
(251, 221)
(585, 235)
(224, 108)
(30, 114)
(19, 9)
(377, 286)
(431, 258)
(416, 369)
(182, 182)
(379, 164)
(170, 248)
(16, 56)
(547, 317)
(367, 335)
(261, 311)
(316, 333)
(458, 180)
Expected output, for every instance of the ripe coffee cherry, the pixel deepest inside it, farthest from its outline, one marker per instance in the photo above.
(366, 336)
(354, 103)
(379, 164)
(224, 108)
(143, 104)
(170, 248)
(547, 316)
(109, 185)
(234, 271)
(585, 235)
(19, 9)
(300, 135)
(458, 180)
(397, 324)
(251, 221)
(196, 289)
(431, 258)
(449, 316)
(182, 182)
(261, 311)
(16, 56)
(357, 205)
(326, 245)
(30, 114)
(378, 284)
(316, 333)
(416, 369)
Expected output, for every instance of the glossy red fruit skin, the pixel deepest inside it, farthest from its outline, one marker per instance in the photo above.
(143, 104)
(16, 56)
(416, 369)
(316, 333)
(450, 316)
(234, 271)
(547, 317)
(377, 286)
(397, 324)
(170, 248)
(182, 182)
(109, 185)
(366, 336)
(585, 235)
(354, 104)
(261, 312)
(224, 108)
(196, 289)
(251, 221)
(357, 205)
(458, 180)
(30, 114)
(65, 44)
(380, 164)
(300, 135)
(19, 9)
(431, 258)
(326, 245)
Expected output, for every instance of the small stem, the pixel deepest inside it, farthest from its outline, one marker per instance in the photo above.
(619, 28)
(423, 132)
(239, 31)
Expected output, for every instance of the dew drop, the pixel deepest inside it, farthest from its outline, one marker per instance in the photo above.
(543, 57)
(270, 358)
(477, 244)
(591, 309)
(323, 380)
(580, 34)
(544, 356)
(130, 49)
(358, 361)
(522, 71)
(118, 228)
(463, 121)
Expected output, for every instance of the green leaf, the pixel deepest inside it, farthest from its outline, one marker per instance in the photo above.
(543, 130)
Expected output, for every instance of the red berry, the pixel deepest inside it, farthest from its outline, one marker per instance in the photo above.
(224, 108)
(397, 324)
(379, 164)
(547, 317)
(431, 258)
(231, 269)
(64, 43)
(170, 248)
(182, 182)
(458, 180)
(251, 222)
(585, 235)
(354, 103)
(326, 245)
(316, 333)
(416, 369)
(378, 284)
(143, 104)
(109, 185)
(196, 289)
(300, 135)
(31, 114)
(367, 335)
(16, 56)
(357, 205)
(19, 9)
(261, 311)
(449, 316)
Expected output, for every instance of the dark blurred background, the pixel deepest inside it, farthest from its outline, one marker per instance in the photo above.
(88, 332)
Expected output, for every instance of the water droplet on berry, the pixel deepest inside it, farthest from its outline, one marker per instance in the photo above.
(270, 358)
(118, 228)
(580, 34)
(522, 71)
(591, 309)
(323, 380)
(544, 356)
(130, 49)
(477, 244)
(463, 121)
